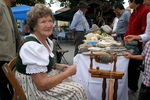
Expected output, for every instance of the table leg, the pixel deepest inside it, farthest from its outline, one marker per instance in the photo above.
(104, 89)
(115, 89)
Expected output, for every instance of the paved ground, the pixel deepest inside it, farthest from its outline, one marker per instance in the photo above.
(68, 45)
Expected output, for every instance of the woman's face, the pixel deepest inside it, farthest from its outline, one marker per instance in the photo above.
(44, 26)
(132, 5)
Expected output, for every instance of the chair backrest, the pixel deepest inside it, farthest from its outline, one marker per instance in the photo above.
(106, 74)
(9, 70)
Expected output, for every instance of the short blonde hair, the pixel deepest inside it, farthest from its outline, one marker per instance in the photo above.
(36, 12)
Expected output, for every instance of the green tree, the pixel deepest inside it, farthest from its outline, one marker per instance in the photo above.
(100, 11)
(73, 3)
(28, 2)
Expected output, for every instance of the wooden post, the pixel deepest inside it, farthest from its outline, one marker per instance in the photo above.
(91, 60)
(115, 61)
(104, 89)
(110, 90)
(115, 89)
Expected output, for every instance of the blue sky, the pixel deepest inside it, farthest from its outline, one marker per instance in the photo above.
(55, 6)
(126, 3)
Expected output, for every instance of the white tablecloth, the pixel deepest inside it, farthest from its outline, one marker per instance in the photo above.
(93, 86)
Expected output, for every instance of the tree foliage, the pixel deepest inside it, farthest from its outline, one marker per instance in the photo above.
(99, 11)
(28, 2)
(66, 3)
(73, 3)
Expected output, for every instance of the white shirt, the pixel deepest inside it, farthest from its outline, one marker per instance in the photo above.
(146, 36)
(115, 21)
(35, 56)
(79, 22)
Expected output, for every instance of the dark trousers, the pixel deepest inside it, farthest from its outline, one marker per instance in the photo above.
(144, 93)
(79, 37)
(134, 72)
(5, 87)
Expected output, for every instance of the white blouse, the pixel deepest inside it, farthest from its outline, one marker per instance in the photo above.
(146, 36)
(35, 56)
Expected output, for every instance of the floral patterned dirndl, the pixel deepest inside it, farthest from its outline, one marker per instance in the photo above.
(67, 90)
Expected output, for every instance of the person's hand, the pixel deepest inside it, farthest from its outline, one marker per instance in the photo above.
(113, 32)
(131, 38)
(61, 67)
(64, 66)
(127, 54)
(71, 70)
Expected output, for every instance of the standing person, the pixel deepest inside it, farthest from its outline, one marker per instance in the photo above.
(79, 25)
(143, 37)
(144, 93)
(9, 38)
(36, 72)
(123, 18)
(136, 26)
(114, 26)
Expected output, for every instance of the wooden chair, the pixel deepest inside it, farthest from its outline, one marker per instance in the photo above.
(59, 52)
(106, 74)
(61, 57)
(9, 70)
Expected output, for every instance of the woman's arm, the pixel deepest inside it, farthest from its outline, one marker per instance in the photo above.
(146, 36)
(60, 66)
(129, 38)
(44, 82)
(36, 63)
(129, 55)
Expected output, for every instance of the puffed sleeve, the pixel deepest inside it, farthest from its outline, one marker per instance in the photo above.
(35, 56)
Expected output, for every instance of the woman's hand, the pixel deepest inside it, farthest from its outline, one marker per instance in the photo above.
(131, 38)
(127, 54)
(44, 82)
(71, 70)
(61, 66)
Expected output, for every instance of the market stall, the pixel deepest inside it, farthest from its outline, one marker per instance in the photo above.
(20, 11)
(98, 41)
